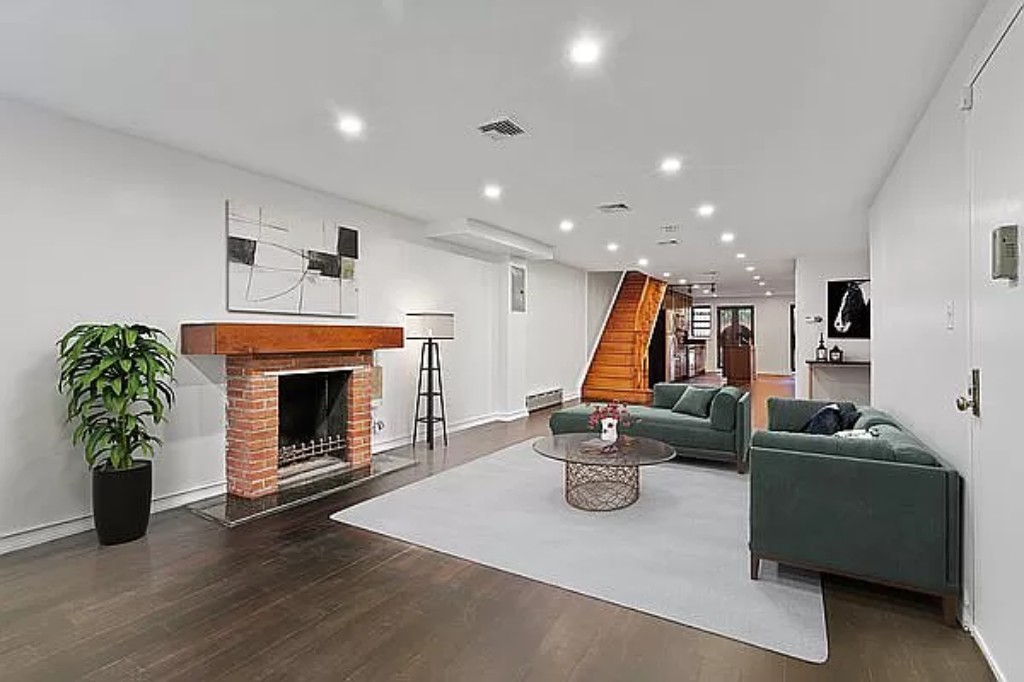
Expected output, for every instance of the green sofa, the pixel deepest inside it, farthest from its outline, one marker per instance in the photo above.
(886, 509)
(724, 435)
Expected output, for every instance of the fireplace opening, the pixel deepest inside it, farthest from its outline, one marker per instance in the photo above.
(312, 420)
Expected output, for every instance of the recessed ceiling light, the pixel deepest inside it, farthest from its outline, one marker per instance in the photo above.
(727, 237)
(714, 295)
(585, 51)
(750, 268)
(666, 274)
(492, 191)
(671, 165)
(682, 281)
(761, 284)
(741, 256)
(767, 293)
(705, 210)
(566, 226)
(642, 262)
(612, 246)
(757, 277)
(350, 126)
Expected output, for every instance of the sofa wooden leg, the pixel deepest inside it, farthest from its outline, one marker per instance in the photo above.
(950, 609)
(741, 466)
(755, 566)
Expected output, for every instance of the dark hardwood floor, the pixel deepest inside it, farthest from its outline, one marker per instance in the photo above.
(299, 597)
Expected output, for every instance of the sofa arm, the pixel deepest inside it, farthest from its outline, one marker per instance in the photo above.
(743, 428)
(894, 522)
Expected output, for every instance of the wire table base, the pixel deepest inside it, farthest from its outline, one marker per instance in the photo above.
(597, 487)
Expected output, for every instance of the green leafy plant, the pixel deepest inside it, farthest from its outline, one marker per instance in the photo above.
(117, 380)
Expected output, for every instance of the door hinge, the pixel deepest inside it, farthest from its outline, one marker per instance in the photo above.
(976, 392)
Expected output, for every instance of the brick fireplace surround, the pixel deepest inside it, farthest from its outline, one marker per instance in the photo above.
(257, 354)
(252, 415)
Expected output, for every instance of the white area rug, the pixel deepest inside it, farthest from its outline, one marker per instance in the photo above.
(679, 553)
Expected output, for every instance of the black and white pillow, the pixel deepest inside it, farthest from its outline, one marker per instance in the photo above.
(825, 422)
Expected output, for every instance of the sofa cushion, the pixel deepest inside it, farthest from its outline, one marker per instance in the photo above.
(666, 395)
(723, 408)
(571, 419)
(874, 448)
(681, 430)
(905, 446)
(869, 417)
(696, 401)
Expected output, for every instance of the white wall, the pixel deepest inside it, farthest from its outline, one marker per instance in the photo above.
(919, 235)
(556, 327)
(104, 227)
(601, 289)
(812, 276)
(771, 330)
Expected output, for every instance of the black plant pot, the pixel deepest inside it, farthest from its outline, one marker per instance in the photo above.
(120, 502)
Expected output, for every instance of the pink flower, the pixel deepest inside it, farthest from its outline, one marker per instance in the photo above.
(612, 410)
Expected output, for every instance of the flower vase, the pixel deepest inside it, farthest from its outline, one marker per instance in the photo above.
(609, 430)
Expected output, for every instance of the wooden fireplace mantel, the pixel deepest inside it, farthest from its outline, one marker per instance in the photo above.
(242, 338)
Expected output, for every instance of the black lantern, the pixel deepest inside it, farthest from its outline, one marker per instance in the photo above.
(821, 352)
(836, 354)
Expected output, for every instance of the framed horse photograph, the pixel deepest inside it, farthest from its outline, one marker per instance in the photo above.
(849, 309)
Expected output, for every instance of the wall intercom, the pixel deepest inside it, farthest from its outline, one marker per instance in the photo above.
(1005, 253)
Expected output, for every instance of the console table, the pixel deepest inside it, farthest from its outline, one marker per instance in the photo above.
(812, 365)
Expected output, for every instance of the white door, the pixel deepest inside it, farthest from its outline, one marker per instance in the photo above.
(996, 133)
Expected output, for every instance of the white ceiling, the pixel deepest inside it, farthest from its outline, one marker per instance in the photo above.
(787, 113)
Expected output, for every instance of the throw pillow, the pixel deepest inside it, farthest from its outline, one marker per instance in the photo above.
(848, 416)
(696, 401)
(825, 422)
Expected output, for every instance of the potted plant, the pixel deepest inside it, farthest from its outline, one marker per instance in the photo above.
(117, 380)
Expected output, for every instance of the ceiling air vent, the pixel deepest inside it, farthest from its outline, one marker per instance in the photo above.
(615, 207)
(670, 229)
(501, 129)
(668, 242)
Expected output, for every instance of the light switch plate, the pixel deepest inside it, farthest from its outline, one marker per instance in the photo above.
(950, 315)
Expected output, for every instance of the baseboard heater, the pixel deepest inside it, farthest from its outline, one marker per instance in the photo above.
(538, 401)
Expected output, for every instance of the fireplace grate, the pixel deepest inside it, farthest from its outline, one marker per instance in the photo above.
(328, 446)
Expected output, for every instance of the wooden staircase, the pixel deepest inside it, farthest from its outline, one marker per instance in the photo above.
(618, 370)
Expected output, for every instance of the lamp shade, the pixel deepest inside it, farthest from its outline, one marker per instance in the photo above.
(437, 326)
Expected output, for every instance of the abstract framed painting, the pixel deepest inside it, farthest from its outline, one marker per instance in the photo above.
(289, 264)
(849, 309)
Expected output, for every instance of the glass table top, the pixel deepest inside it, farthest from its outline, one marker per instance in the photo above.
(588, 448)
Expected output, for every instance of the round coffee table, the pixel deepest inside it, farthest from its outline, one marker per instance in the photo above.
(602, 476)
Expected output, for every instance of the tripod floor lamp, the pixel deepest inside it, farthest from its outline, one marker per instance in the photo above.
(430, 328)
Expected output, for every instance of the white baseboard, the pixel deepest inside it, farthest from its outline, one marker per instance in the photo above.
(30, 537)
(987, 653)
(172, 500)
(512, 416)
(454, 427)
(22, 539)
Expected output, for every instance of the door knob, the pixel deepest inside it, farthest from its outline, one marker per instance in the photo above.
(971, 401)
